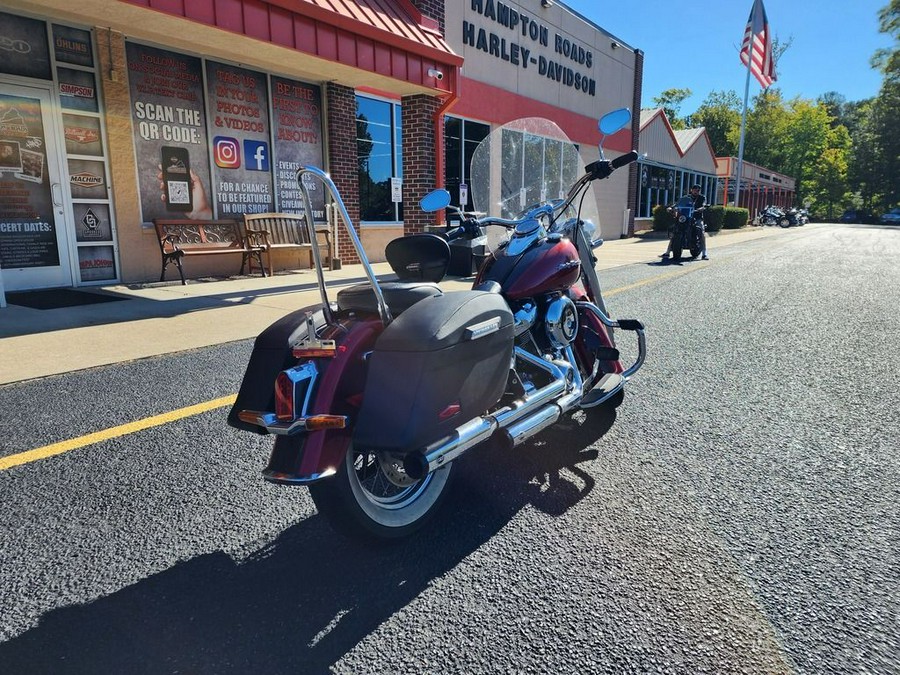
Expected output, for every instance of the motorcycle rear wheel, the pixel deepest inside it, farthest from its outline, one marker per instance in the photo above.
(371, 497)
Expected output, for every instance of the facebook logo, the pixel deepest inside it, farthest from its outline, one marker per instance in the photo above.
(256, 155)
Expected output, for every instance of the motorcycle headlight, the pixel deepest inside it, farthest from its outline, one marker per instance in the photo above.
(589, 229)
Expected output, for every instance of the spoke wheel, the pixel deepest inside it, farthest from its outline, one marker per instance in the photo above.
(372, 497)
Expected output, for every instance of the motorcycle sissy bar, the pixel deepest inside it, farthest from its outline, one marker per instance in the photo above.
(383, 311)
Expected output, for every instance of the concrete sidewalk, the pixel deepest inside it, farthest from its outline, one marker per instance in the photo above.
(162, 318)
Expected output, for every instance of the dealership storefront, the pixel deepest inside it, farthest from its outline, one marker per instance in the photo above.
(116, 113)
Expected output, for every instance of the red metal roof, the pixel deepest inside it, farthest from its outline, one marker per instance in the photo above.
(387, 37)
(396, 22)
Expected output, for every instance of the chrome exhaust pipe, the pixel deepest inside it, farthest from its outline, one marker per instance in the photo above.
(525, 429)
(422, 462)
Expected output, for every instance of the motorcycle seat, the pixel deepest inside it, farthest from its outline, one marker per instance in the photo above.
(397, 294)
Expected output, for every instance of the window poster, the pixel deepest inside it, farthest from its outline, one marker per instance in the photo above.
(92, 222)
(27, 222)
(72, 45)
(25, 51)
(82, 135)
(239, 123)
(87, 179)
(297, 130)
(171, 143)
(77, 90)
(96, 263)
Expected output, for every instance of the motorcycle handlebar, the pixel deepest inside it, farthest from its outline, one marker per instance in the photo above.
(604, 167)
(627, 158)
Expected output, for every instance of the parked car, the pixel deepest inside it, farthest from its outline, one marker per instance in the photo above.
(892, 217)
(856, 216)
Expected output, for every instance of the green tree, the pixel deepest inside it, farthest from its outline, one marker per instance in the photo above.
(826, 185)
(766, 131)
(888, 60)
(720, 115)
(807, 136)
(670, 101)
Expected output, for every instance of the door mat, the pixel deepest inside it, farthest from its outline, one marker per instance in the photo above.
(57, 298)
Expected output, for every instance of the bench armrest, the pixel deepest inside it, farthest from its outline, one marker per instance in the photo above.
(256, 237)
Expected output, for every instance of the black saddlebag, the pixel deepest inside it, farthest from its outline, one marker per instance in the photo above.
(442, 362)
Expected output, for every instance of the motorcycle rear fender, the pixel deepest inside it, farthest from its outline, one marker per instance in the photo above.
(339, 392)
(341, 379)
(271, 354)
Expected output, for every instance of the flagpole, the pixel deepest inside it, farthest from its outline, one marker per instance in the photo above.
(740, 162)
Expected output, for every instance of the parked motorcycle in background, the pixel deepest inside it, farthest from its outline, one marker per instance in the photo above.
(688, 228)
(772, 215)
(371, 397)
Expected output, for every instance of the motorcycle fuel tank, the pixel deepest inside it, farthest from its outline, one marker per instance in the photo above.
(548, 266)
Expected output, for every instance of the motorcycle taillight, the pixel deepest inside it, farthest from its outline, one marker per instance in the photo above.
(284, 397)
(293, 389)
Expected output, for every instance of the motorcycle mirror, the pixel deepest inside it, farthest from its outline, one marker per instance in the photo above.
(614, 121)
(435, 200)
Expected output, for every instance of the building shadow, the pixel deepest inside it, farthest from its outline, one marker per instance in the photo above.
(303, 601)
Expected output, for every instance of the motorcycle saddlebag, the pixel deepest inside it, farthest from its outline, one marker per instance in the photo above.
(442, 362)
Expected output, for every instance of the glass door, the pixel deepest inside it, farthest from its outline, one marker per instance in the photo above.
(34, 245)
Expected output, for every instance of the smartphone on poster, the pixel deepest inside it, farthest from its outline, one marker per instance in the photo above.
(176, 171)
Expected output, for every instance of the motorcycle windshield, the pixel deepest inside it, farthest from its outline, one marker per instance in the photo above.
(521, 165)
(685, 206)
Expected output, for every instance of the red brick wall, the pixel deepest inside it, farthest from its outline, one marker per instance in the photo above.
(418, 159)
(433, 9)
(342, 164)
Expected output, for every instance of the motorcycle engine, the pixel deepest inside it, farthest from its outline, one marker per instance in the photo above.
(561, 322)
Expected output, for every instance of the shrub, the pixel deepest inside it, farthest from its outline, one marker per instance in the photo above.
(715, 216)
(735, 218)
(662, 219)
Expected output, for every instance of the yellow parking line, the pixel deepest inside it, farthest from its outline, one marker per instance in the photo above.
(649, 280)
(113, 432)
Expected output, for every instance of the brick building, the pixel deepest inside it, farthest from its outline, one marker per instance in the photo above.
(390, 96)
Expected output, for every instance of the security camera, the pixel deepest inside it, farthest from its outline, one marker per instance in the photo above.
(435, 73)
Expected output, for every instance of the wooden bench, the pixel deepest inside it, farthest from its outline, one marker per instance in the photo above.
(184, 237)
(285, 231)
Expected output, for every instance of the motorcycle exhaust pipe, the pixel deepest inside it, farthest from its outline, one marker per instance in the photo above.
(419, 464)
(523, 430)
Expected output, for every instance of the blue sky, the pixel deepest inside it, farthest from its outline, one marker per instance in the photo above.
(695, 45)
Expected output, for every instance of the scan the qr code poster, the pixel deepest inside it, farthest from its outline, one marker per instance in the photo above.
(170, 139)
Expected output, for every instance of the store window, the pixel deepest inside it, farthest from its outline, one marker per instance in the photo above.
(461, 137)
(380, 158)
(664, 185)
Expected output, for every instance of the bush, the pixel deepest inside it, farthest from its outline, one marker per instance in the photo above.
(715, 216)
(735, 218)
(662, 219)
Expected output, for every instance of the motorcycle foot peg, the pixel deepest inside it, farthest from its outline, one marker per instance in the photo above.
(630, 324)
(604, 389)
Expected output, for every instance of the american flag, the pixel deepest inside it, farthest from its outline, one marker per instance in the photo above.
(756, 49)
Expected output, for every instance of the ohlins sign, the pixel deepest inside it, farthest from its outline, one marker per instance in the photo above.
(524, 41)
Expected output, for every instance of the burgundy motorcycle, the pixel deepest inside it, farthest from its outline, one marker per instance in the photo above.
(371, 397)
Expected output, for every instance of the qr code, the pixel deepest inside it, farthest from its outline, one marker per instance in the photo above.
(178, 192)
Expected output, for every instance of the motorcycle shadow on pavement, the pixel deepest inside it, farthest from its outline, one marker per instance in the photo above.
(305, 600)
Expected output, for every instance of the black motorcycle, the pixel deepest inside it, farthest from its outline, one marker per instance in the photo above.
(687, 232)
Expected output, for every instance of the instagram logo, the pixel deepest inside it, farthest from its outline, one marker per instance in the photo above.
(226, 152)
